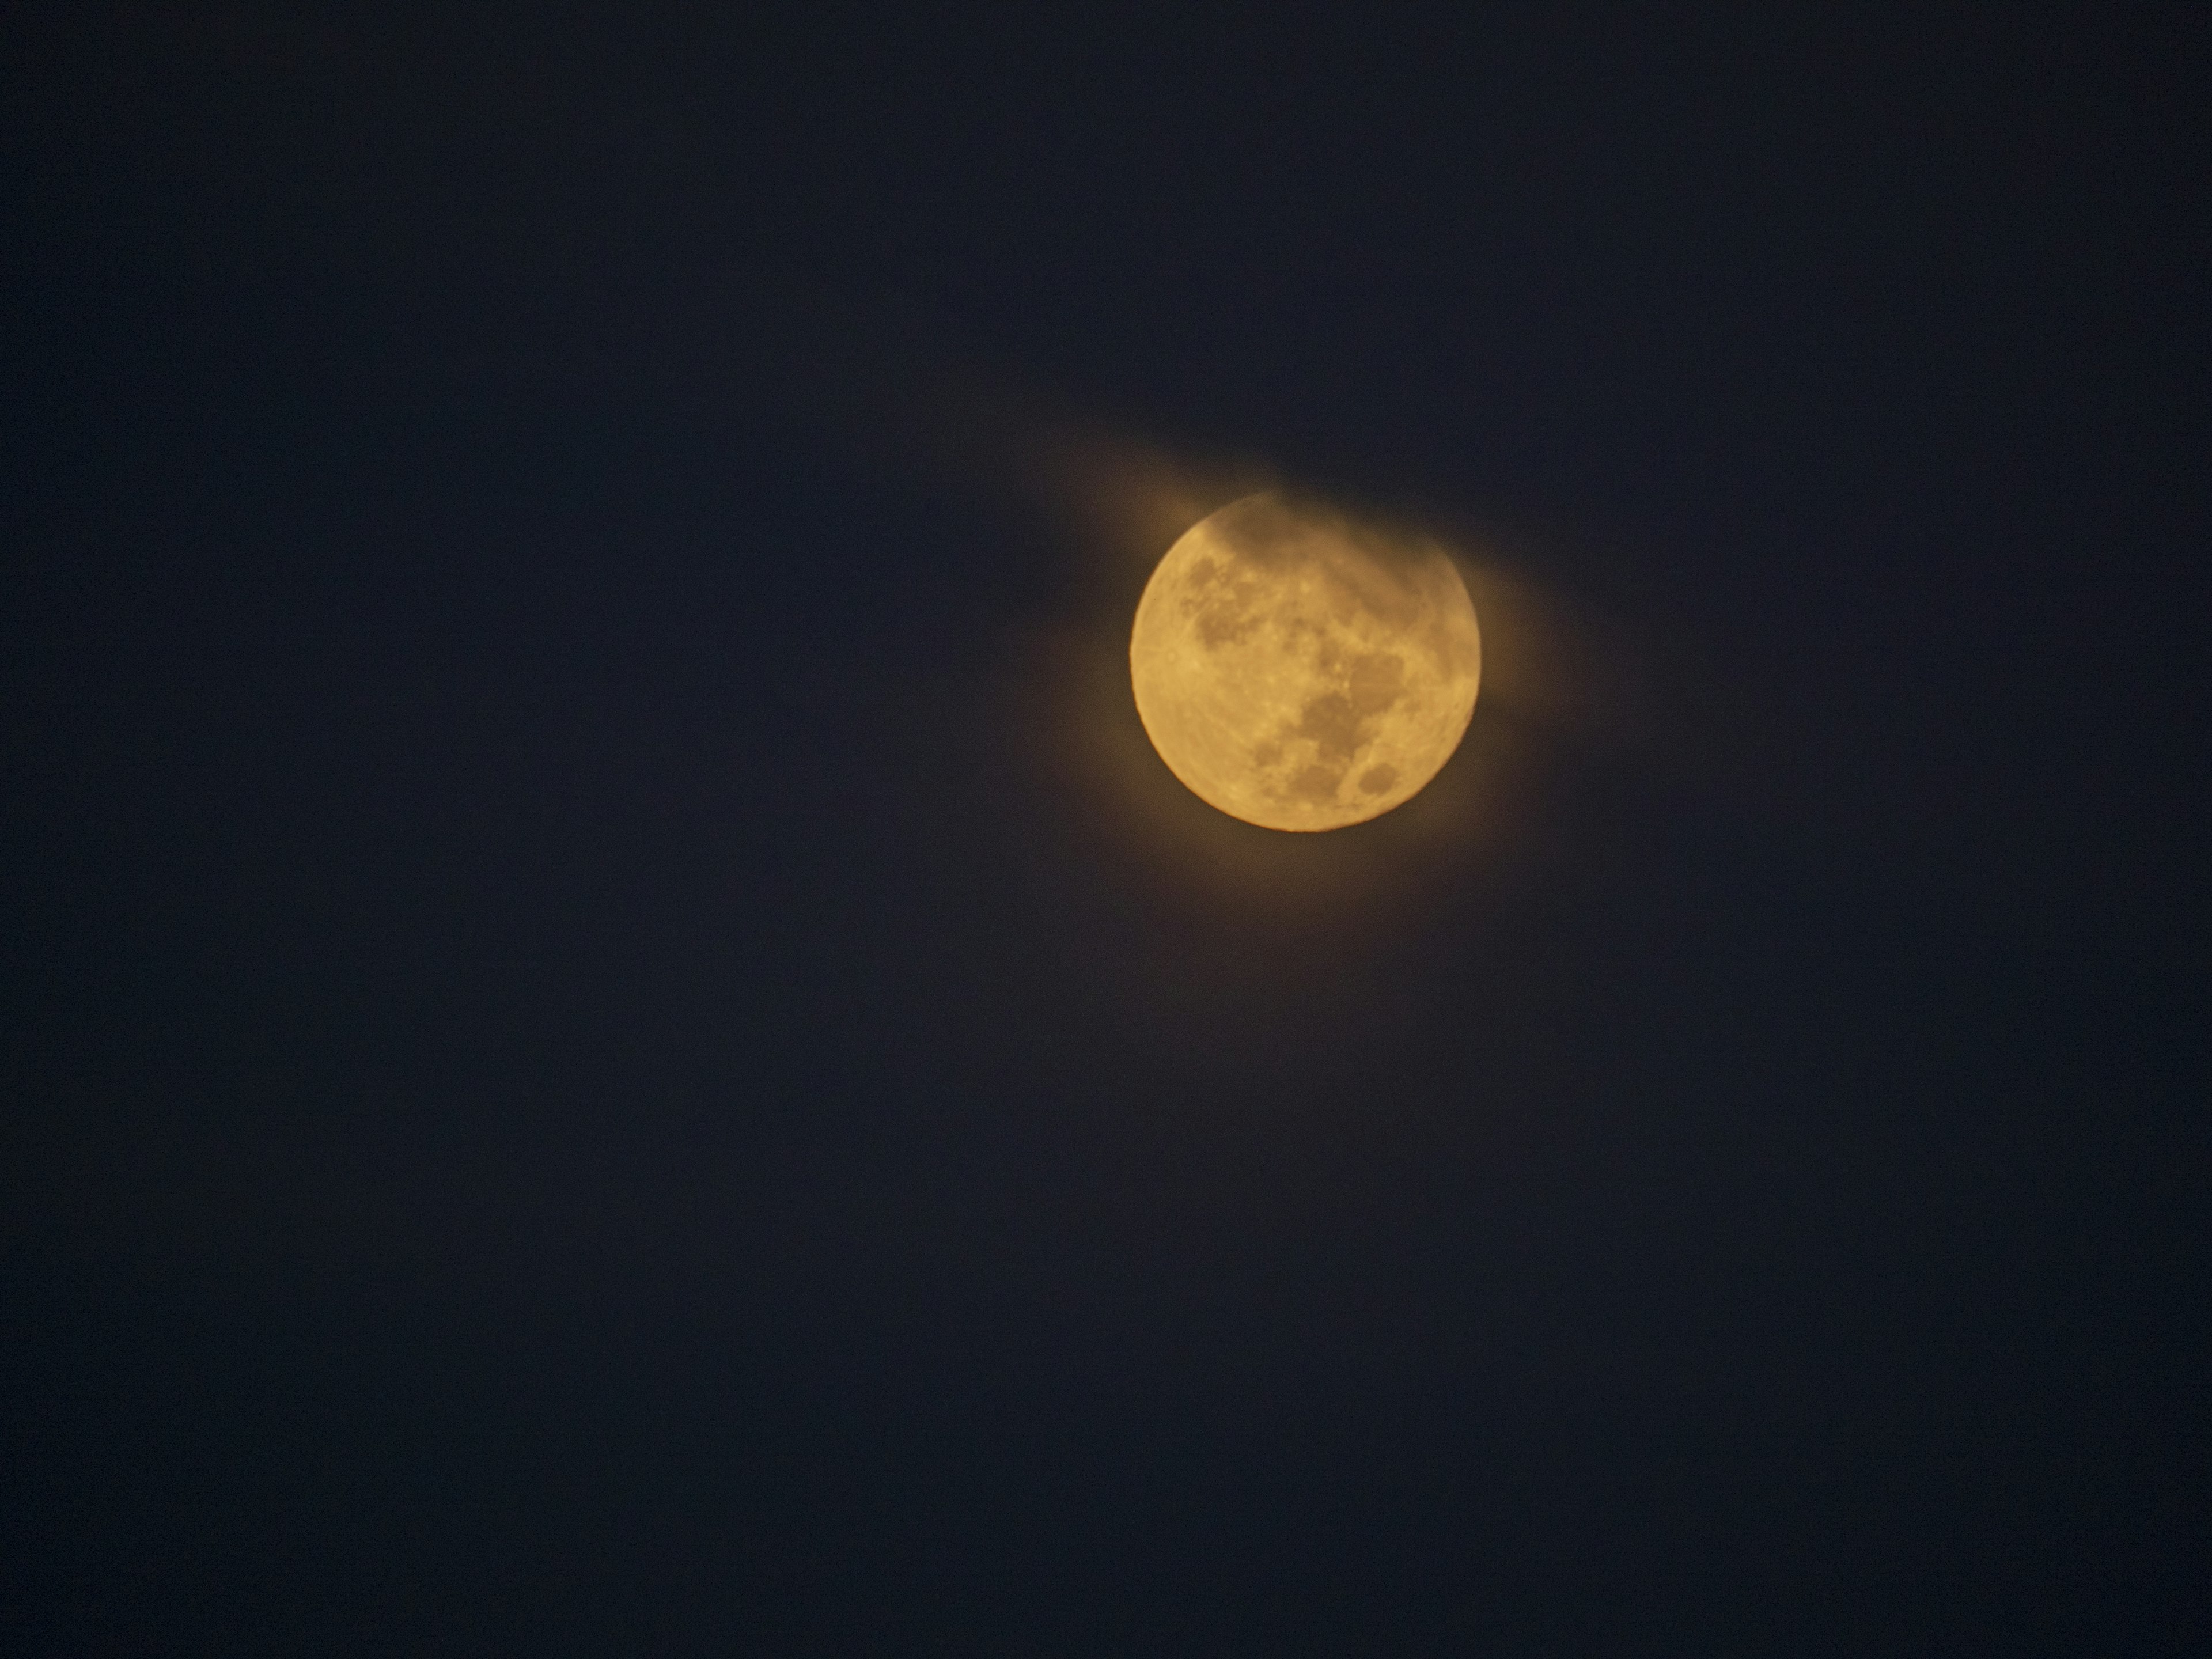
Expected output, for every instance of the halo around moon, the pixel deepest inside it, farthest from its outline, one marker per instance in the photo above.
(1301, 672)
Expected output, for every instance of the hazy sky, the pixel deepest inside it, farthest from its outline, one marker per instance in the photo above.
(616, 1043)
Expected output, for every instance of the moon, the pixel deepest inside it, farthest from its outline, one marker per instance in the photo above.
(1300, 672)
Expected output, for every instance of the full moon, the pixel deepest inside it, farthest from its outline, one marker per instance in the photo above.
(1299, 672)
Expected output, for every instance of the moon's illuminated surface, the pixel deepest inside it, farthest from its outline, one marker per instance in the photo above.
(1299, 672)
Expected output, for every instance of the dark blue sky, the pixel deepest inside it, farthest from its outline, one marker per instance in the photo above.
(614, 1044)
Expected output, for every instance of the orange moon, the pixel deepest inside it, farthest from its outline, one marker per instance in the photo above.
(1300, 672)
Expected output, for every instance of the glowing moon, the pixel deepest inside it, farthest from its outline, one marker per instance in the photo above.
(1299, 672)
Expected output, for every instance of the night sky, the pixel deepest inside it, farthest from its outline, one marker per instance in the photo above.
(614, 1043)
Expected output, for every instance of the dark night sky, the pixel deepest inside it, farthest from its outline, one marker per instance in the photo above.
(613, 1043)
